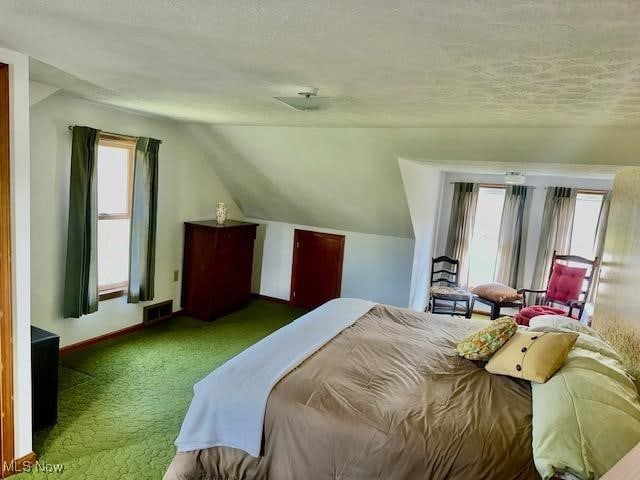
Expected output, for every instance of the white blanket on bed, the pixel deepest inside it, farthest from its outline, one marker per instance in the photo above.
(229, 404)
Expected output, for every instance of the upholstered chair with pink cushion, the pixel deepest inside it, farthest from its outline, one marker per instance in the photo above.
(567, 289)
(565, 283)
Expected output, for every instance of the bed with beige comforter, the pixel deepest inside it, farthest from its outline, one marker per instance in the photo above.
(387, 398)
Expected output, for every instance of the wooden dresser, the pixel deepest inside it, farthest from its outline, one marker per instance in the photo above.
(216, 270)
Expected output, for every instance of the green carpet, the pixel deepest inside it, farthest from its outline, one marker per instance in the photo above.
(122, 401)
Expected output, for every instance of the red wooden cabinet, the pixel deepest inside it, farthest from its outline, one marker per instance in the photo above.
(216, 267)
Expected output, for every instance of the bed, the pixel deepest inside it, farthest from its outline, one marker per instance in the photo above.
(387, 397)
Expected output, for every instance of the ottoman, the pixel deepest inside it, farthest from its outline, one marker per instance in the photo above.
(497, 296)
(526, 314)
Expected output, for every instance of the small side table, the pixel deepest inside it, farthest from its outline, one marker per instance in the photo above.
(495, 306)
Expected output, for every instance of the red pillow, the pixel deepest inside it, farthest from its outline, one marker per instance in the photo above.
(535, 310)
(565, 283)
(524, 316)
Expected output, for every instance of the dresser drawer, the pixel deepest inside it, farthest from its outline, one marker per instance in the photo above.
(233, 241)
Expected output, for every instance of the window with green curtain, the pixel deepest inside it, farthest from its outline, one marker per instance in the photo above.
(81, 273)
(142, 248)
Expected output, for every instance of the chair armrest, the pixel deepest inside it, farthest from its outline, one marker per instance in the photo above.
(522, 292)
(528, 290)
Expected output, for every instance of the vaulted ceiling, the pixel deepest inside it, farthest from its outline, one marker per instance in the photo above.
(383, 63)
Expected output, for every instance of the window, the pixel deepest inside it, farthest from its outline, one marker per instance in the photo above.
(483, 251)
(115, 185)
(585, 223)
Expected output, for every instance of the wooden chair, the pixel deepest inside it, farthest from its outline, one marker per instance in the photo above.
(444, 288)
(569, 284)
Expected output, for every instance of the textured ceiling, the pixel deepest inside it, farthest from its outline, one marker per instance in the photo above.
(409, 63)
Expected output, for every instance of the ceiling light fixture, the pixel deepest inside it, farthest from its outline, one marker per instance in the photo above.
(307, 99)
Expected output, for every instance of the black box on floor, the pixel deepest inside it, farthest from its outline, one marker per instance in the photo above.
(44, 377)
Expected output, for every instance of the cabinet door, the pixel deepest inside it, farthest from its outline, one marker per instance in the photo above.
(197, 267)
(317, 268)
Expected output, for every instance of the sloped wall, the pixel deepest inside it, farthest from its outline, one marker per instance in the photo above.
(349, 179)
(341, 178)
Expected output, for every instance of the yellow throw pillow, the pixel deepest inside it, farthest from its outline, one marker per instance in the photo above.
(533, 356)
(483, 343)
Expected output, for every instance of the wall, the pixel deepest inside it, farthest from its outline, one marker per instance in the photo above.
(423, 185)
(617, 313)
(535, 215)
(39, 91)
(188, 189)
(375, 267)
(19, 147)
(356, 179)
(342, 178)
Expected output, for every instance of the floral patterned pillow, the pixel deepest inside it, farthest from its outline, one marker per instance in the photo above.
(484, 343)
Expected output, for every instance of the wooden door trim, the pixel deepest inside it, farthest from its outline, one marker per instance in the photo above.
(6, 308)
(333, 236)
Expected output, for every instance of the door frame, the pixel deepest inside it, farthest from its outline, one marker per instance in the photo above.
(296, 235)
(6, 308)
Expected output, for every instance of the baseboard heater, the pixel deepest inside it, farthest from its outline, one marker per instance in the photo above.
(157, 311)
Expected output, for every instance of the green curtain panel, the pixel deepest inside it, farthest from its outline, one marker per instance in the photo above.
(81, 275)
(144, 213)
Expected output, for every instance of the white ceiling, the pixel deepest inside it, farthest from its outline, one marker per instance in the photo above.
(385, 63)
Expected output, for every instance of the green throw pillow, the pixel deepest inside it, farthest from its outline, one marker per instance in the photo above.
(484, 343)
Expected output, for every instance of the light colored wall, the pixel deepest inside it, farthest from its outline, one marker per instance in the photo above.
(348, 178)
(188, 189)
(375, 267)
(342, 178)
(423, 185)
(19, 148)
(39, 91)
(617, 313)
(540, 182)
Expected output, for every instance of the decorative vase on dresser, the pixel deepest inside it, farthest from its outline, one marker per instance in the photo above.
(217, 265)
(221, 212)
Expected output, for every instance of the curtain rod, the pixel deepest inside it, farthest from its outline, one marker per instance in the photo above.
(587, 190)
(496, 185)
(504, 185)
(132, 137)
